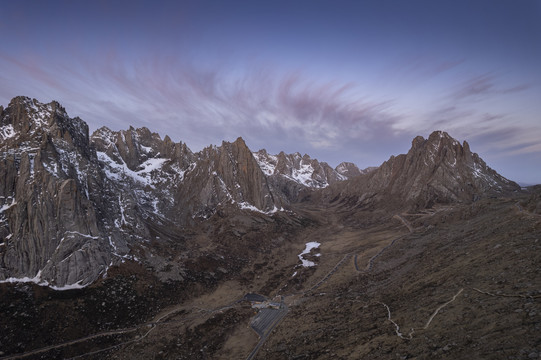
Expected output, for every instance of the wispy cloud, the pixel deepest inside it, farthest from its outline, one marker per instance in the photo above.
(203, 105)
(483, 85)
(482, 108)
(211, 104)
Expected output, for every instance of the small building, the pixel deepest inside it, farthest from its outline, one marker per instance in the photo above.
(274, 305)
(255, 298)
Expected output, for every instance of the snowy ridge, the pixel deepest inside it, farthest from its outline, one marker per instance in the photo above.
(38, 281)
(494, 179)
(341, 168)
(304, 175)
(303, 170)
(39, 112)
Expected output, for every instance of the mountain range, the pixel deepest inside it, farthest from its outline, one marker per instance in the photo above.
(79, 210)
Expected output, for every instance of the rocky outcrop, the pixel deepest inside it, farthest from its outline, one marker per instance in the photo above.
(533, 202)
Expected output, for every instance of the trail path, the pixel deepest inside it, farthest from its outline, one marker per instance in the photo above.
(410, 334)
(373, 258)
(404, 221)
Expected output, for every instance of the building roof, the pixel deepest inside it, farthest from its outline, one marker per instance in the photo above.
(254, 297)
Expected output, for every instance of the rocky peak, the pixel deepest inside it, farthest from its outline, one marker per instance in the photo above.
(417, 142)
(27, 120)
(229, 174)
(348, 169)
(135, 147)
(437, 169)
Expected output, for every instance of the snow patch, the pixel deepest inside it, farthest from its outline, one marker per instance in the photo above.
(115, 171)
(53, 171)
(479, 173)
(146, 149)
(309, 246)
(5, 207)
(76, 285)
(225, 190)
(37, 280)
(179, 171)
(83, 235)
(122, 217)
(7, 131)
(303, 175)
(247, 206)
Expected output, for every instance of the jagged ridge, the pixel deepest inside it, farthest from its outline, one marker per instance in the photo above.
(72, 205)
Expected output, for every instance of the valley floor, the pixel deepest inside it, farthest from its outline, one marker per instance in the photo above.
(457, 282)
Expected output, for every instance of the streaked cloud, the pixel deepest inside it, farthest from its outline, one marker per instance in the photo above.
(183, 99)
(484, 85)
(283, 110)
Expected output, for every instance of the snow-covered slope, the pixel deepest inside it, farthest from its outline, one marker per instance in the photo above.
(302, 169)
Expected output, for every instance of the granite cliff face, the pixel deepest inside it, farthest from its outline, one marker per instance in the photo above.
(167, 179)
(226, 176)
(49, 195)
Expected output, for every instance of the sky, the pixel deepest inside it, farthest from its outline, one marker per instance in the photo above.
(337, 80)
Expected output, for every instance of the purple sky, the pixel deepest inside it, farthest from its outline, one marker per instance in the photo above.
(338, 80)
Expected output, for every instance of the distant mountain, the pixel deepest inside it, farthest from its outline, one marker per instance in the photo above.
(289, 174)
(435, 170)
(350, 170)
